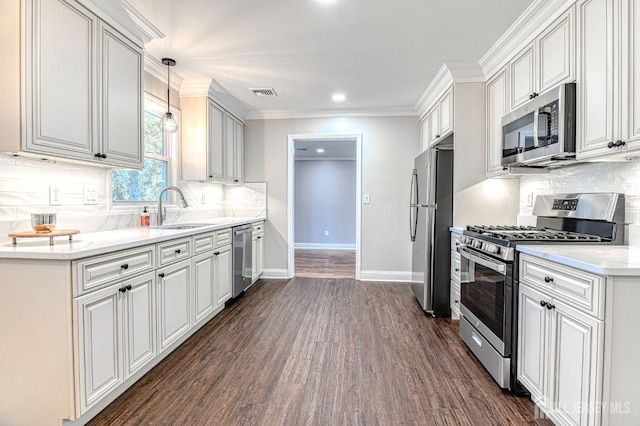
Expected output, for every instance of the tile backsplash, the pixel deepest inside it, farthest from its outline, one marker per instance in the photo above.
(622, 177)
(27, 186)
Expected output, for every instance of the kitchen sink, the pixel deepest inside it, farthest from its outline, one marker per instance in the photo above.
(182, 226)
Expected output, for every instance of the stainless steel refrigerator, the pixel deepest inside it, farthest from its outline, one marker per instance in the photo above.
(431, 207)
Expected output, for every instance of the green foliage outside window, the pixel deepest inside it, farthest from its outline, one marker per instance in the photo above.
(145, 184)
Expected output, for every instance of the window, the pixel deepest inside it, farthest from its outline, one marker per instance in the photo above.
(139, 186)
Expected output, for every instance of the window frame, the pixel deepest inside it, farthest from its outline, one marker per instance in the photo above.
(157, 107)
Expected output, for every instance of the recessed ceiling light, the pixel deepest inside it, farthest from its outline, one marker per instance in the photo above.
(320, 150)
(339, 97)
(326, 1)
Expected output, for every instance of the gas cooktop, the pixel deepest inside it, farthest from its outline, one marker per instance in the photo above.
(529, 233)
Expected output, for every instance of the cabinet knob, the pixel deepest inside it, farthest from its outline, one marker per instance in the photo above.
(100, 155)
(457, 269)
(161, 274)
(620, 143)
(611, 145)
(210, 176)
(550, 306)
(216, 253)
(128, 286)
(236, 180)
(548, 279)
(178, 251)
(543, 303)
(456, 301)
(437, 136)
(122, 289)
(124, 266)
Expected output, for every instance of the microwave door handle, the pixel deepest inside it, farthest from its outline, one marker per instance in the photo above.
(544, 118)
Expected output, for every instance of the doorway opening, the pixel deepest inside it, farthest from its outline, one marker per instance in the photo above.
(323, 204)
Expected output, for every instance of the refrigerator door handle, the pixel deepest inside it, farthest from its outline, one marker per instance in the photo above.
(413, 222)
(413, 198)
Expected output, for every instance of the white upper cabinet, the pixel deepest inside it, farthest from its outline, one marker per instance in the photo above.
(548, 61)
(440, 118)
(83, 86)
(212, 142)
(497, 95)
(608, 97)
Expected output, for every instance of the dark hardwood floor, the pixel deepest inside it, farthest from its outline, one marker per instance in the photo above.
(325, 263)
(315, 351)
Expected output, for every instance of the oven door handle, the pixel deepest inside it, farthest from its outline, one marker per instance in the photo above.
(499, 267)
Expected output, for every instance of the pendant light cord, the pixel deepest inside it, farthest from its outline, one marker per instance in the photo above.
(168, 86)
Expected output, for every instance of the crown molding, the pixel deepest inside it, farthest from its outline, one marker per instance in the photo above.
(450, 73)
(293, 114)
(523, 31)
(155, 68)
(124, 17)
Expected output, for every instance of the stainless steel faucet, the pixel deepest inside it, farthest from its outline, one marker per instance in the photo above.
(162, 211)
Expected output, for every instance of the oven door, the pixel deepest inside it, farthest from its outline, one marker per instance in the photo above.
(486, 298)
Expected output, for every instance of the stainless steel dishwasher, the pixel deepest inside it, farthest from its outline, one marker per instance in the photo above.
(242, 258)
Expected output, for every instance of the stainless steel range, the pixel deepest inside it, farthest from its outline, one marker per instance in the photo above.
(488, 324)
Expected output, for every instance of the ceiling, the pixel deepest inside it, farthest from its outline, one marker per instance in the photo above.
(380, 54)
(330, 150)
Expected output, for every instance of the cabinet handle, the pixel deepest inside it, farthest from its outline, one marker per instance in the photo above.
(178, 251)
(100, 155)
(550, 306)
(122, 289)
(124, 266)
(128, 286)
(216, 253)
(548, 279)
(161, 274)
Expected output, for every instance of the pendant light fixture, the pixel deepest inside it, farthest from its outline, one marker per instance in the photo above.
(168, 123)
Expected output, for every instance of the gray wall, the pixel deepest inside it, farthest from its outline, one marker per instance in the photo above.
(389, 145)
(325, 200)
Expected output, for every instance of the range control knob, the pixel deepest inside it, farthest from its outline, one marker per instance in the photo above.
(490, 248)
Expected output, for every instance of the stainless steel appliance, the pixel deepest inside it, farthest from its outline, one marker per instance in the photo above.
(431, 210)
(242, 258)
(488, 323)
(543, 131)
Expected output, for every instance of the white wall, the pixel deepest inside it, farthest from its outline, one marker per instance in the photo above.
(389, 145)
(589, 177)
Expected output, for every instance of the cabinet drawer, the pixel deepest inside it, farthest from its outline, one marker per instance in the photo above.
(258, 228)
(455, 240)
(204, 242)
(223, 237)
(455, 266)
(174, 250)
(581, 290)
(99, 271)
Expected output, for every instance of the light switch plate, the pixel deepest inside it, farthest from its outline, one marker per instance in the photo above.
(54, 195)
(365, 198)
(90, 195)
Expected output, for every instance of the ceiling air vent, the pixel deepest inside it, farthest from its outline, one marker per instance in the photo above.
(269, 91)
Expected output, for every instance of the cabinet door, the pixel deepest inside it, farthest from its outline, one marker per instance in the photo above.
(259, 259)
(238, 175)
(204, 285)
(596, 92)
(446, 114)
(574, 365)
(533, 343)
(98, 318)
(425, 133)
(555, 53)
(121, 99)
(522, 69)
(62, 115)
(215, 130)
(224, 274)
(254, 257)
(174, 302)
(496, 108)
(631, 72)
(434, 123)
(139, 323)
(229, 150)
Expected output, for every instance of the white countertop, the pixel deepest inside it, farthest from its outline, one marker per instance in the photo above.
(95, 243)
(598, 259)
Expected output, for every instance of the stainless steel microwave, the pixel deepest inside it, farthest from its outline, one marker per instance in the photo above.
(543, 130)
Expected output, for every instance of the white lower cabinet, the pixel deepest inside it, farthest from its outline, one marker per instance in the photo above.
(116, 335)
(204, 271)
(257, 251)
(174, 303)
(223, 281)
(560, 344)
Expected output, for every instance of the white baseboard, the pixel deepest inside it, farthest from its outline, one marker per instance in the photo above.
(274, 274)
(393, 276)
(315, 246)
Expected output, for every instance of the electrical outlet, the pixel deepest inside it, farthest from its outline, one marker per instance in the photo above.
(90, 195)
(326, 233)
(54, 195)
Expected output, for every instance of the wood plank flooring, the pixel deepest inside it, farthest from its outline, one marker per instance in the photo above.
(311, 351)
(325, 263)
